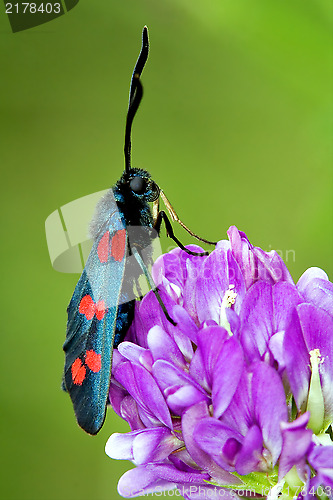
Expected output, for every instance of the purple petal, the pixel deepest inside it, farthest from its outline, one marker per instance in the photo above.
(269, 402)
(116, 358)
(116, 395)
(143, 388)
(120, 446)
(311, 328)
(296, 443)
(147, 314)
(184, 343)
(180, 398)
(168, 375)
(297, 359)
(321, 457)
(233, 320)
(142, 481)
(248, 459)
(219, 441)
(179, 388)
(182, 461)
(154, 445)
(147, 417)
(309, 275)
(231, 449)
(237, 280)
(194, 270)
(170, 289)
(212, 285)
(309, 484)
(129, 412)
(170, 473)
(254, 262)
(199, 492)
(174, 266)
(167, 325)
(239, 414)
(220, 269)
(285, 299)
(324, 478)
(226, 375)
(168, 266)
(317, 328)
(190, 419)
(137, 354)
(242, 251)
(195, 261)
(150, 314)
(211, 435)
(320, 293)
(162, 346)
(257, 320)
(198, 371)
(210, 341)
(270, 266)
(185, 323)
(276, 348)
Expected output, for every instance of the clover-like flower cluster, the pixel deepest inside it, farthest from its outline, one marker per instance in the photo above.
(238, 396)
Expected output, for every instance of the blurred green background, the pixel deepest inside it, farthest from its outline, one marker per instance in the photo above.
(235, 127)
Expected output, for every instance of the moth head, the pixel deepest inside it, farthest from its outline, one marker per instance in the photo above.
(140, 185)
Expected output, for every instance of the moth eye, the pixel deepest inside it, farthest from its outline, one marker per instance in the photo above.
(138, 185)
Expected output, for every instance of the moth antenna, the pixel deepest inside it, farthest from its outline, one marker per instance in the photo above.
(135, 95)
(140, 63)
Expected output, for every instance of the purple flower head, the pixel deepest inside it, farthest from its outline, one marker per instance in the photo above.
(237, 397)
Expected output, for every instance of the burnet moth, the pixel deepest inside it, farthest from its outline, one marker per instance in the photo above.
(102, 306)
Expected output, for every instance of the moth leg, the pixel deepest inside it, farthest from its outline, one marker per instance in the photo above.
(175, 218)
(163, 216)
(152, 284)
(138, 289)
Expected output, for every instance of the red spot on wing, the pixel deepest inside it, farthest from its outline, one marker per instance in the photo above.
(93, 361)
(78, 372)
(103, 247)
(118, 245)
(100, 309)
(87, 307)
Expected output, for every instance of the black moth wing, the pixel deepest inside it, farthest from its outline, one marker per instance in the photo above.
(92, 318)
